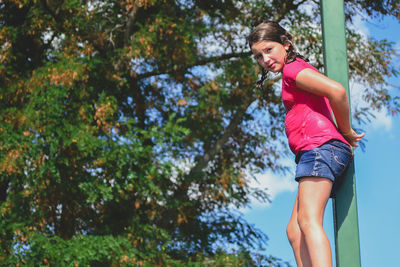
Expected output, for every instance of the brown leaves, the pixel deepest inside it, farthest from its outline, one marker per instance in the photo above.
(137, 204)
(182, 102)
(103, 115)
(182, 218)
(5, 48)
(66, 77)
(130, 4)
(19, 3)
(11, 164)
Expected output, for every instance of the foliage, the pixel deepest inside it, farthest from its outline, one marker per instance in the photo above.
(128, 128)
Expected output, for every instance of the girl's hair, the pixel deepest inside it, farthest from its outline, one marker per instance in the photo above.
(272, 31)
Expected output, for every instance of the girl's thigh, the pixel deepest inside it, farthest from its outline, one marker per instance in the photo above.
(313, 194)
(329, 160)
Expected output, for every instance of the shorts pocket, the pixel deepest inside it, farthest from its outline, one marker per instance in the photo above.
(340, 146)
(341, 158)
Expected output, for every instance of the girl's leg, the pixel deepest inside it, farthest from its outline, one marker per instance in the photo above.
(313, 195)
(296, 238)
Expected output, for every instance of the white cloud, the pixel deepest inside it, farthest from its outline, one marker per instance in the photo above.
(308, 8)
(382, 120)
(360, 25)
(397, 46)
(395, 58)
(274, 183)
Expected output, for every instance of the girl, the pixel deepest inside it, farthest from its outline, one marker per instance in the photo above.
(323, 151)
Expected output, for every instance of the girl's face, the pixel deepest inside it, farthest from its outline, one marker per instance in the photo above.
(270, 55)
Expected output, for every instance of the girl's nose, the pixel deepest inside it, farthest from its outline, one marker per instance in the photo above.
(265, 57)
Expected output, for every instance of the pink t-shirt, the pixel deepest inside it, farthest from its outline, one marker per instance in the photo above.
(308, 121)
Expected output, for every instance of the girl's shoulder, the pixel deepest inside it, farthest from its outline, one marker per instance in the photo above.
(291, 69)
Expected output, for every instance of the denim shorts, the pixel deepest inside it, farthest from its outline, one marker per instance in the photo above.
(329, 160)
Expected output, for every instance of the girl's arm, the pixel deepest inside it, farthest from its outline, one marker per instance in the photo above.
(318, 84)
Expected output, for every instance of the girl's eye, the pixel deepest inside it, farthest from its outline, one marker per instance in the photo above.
(257, 57)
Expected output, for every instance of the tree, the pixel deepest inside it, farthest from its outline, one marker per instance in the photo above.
(128, 128)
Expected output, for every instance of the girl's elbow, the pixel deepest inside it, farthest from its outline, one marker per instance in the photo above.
(339, 93)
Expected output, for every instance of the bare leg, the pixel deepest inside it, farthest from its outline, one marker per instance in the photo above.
(313, 195)
(297, 239)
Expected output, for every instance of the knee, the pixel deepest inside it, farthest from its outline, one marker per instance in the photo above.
(307, 223)
(293, 233)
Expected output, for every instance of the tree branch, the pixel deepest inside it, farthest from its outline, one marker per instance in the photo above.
(4, 185)
(129, 24)
(200, 62)
(287, 6)
(234, 123)
(208, 156)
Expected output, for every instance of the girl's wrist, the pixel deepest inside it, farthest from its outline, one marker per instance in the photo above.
(348, 133)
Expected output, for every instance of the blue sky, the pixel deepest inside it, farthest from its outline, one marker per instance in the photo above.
(377, 182)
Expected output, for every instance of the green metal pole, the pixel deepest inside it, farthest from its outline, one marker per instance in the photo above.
(345, 204)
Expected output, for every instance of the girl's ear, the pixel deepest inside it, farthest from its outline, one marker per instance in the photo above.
(287, 45)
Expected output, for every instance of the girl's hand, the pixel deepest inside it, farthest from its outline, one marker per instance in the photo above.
(353, 138)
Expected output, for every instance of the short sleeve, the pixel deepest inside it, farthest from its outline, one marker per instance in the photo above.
(291, 70)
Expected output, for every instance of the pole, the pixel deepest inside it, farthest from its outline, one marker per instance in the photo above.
(345, 217)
